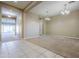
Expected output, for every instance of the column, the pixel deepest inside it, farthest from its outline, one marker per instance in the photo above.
(0, 22)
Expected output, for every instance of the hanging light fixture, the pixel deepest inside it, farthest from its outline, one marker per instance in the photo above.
(47, 18)
(15, 1)
(66, 9)
(9, 16)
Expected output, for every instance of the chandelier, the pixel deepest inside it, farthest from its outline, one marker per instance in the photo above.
(47, 18)
(66, 9)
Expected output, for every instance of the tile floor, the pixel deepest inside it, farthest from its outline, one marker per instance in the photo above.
(59, 44)
(24, 49)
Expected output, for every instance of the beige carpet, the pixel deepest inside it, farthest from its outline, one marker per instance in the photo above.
(63, 46)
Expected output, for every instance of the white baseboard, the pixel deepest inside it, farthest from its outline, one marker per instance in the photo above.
(29, 37)
(72, 37)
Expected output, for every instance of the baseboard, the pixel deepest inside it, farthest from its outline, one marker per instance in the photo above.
(29, 37)
(72, 37)
(51, 35)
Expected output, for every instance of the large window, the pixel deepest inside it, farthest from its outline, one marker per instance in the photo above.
(8, 26)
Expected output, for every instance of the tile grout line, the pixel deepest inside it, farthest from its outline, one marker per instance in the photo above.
(7, 49)
(45, 50)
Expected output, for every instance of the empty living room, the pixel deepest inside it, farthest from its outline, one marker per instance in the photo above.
(39, 29)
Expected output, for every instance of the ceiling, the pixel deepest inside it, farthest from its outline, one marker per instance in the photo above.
(21, 5)
(53, 7)
(18, 4)
(7, 11)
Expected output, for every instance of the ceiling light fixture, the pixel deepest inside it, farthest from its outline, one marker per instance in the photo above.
(9, 16)
(66, 9)
(15, 1)
(47, 18)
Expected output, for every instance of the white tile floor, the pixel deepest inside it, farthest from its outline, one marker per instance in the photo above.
(24, 49)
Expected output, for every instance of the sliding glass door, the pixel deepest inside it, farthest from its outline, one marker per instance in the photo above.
(10, 23)
(8, 28)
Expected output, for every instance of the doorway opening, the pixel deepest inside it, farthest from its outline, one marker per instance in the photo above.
(10, 24)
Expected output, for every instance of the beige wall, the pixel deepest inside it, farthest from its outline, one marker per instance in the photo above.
(64, 24)
(44, 27)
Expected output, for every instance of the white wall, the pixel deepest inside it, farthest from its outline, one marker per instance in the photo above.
(0, 22)
(31, 25)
